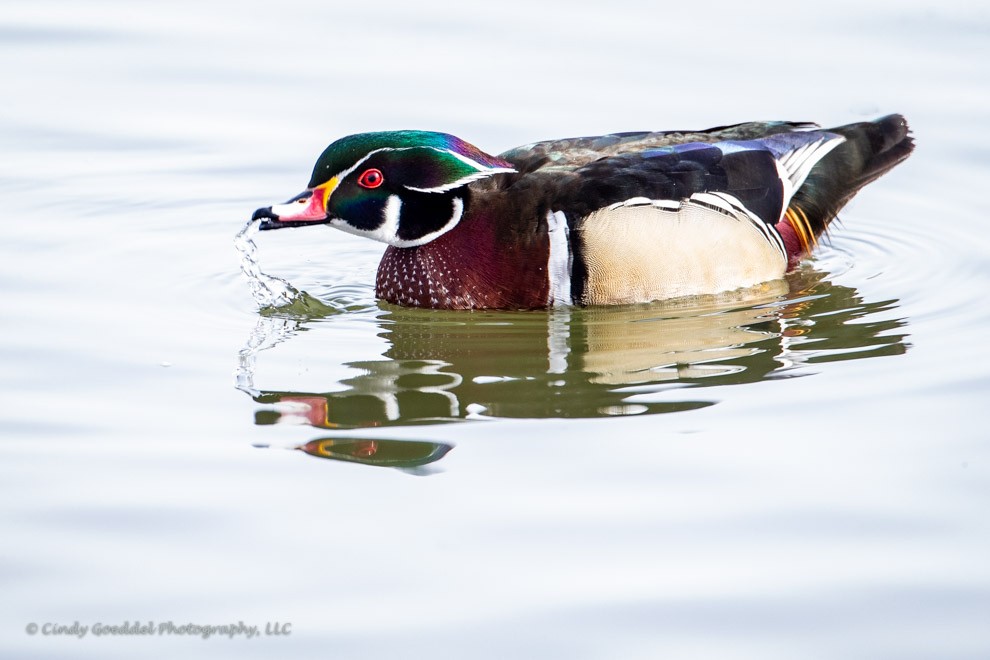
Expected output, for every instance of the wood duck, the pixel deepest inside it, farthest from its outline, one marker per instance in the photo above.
(613, 219)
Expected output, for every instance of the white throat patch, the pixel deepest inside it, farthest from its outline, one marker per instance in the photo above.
(388, 231)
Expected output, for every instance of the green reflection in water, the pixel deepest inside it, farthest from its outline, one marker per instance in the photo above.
(383, 453)
(444, 366)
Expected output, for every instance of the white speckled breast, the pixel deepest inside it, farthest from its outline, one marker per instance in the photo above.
(418, 277)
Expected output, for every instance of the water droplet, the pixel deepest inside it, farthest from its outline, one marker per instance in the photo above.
(267, 290)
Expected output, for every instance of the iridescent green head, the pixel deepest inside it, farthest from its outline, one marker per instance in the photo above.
(404, 188)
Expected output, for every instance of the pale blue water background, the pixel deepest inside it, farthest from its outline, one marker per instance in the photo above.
(826, 496)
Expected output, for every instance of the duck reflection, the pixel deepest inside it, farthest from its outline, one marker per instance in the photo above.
(383, 453)
(443, 366)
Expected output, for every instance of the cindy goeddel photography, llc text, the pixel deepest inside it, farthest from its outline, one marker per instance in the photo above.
(152, 629)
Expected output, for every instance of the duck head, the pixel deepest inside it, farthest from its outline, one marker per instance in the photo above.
(404, 188)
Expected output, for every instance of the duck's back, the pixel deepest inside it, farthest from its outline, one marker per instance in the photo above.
(634, 217)
(576, 152)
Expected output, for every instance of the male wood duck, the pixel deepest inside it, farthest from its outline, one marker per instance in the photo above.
(621, 218)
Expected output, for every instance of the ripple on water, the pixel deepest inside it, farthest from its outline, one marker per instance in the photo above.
(442, 366)
(913, 259)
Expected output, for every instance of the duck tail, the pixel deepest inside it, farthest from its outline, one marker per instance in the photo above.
(870, 150)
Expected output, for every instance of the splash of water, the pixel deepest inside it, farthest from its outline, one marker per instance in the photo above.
(267, 290)
(269, 331)
(283, 308)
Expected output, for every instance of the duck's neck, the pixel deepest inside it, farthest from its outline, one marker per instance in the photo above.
(478, 264)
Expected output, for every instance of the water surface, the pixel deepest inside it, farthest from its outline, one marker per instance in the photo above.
(799, 470)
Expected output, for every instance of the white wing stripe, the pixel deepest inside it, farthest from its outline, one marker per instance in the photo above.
(797, 164)
(737, 210)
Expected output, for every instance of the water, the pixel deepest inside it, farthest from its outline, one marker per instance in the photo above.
(794, 471)
(267, 290)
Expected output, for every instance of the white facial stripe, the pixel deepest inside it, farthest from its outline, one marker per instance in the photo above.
(393, 209)
(476, 165)
(464, 181)
(340, 175)
(455, 217)
(461, 157)
(385, 232)
(483, 171)
(388, 231)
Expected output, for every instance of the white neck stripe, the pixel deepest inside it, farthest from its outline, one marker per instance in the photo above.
(455, 217)
(559, 259)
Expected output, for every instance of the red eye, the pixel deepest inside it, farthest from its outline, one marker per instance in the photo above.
(371, 178)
